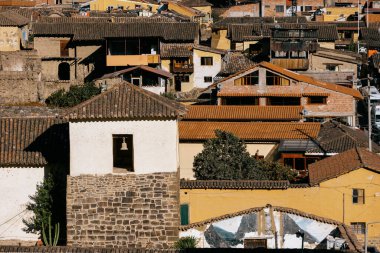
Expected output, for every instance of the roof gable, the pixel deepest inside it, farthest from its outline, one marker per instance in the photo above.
(126, 101)
(343, 163)
(298, 77)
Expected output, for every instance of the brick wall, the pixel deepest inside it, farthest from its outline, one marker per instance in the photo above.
(123, 210)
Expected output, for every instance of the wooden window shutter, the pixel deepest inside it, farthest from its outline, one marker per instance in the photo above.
(64, 49)
(184, 214)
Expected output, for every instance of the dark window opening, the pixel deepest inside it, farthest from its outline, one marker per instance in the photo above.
(358, 227)
(317, 100)
(184, 213)
(250, 79)
(64, 71)
(283, 101)
(331, 67)
(298, 161)
(240, 101)
(123, 151)
(206, 61)
(208, 79)
(255, 243)
(273, 79)
(279, 8)
(64, 48)
(358, 196)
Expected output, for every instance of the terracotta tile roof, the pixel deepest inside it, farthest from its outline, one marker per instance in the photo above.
(99, 31)
(195, 3)
(300, 78)
(343, 163)
(168, 50)
(29, 111)
(222, 24)
(257, 131)
(31, 141)
(244, 32)
(159, 72)
(350, 237)
(223, 93)
(242, 113)
(210, 49)
(11, 18)
(124, 101)
(335, 137)
(370, 36)
(232, 184)
(233, 62)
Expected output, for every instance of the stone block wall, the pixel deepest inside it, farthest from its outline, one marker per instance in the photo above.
(123, 210)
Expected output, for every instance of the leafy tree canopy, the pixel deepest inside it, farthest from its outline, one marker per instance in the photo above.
(75, 95)
(226, 158)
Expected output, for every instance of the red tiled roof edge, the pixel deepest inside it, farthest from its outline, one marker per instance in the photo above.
(234, 184)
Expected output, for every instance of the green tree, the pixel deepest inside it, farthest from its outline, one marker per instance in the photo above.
(226, 158)
(75, 95)
(41, 205)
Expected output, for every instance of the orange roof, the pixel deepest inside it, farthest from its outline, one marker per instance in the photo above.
(242, 113)
(255, 94)
(300, 78)
(264, 131)
(343, 163)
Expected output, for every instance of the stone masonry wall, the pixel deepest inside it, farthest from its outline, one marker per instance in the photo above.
(123, 210)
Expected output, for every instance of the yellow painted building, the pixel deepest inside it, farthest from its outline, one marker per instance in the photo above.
(345, 188)
(102, 5)
(336, 13)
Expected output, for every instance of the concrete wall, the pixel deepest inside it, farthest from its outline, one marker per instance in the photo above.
(201, 71)
(10, 38)
(155, 146)
(219, 40)
(187, 152)
(332, 199)
(17, 184)
(318, 63)
(129, 210)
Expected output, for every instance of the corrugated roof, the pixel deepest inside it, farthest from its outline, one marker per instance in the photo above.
(168, 50)
(123, 101)
(343, 163)
(255, 131)
(195, 3)
(242, 113)
(299, 78)
(222, 24)
(233, 62)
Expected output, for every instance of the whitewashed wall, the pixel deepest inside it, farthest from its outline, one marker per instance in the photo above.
(201, 71)
(155, 146)
(16, 185)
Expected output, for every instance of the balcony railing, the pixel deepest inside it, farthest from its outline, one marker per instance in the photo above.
(293, 64)
(132, 60)
(182, 68)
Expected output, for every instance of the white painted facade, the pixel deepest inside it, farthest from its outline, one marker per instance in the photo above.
(200, 71)
(17, 184)
(155, 146)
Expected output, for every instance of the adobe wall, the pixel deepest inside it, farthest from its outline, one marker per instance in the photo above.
(123, 210)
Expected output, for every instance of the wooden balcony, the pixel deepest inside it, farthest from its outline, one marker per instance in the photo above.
(292, 64)
(132, 60)
(182, 68)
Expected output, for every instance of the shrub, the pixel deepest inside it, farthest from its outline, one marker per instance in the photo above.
(74, 96)
(188, 242)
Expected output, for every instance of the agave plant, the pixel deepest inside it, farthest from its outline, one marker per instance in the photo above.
(48, 240)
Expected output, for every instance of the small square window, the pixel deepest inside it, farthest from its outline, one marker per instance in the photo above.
(317, 100)
(206, 61)
(208, 79)
(122, 152)
(358, 196)
(279, 8)
(331, 67)
(358, 227)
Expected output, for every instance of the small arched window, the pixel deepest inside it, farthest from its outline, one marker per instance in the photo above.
(64, 71)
